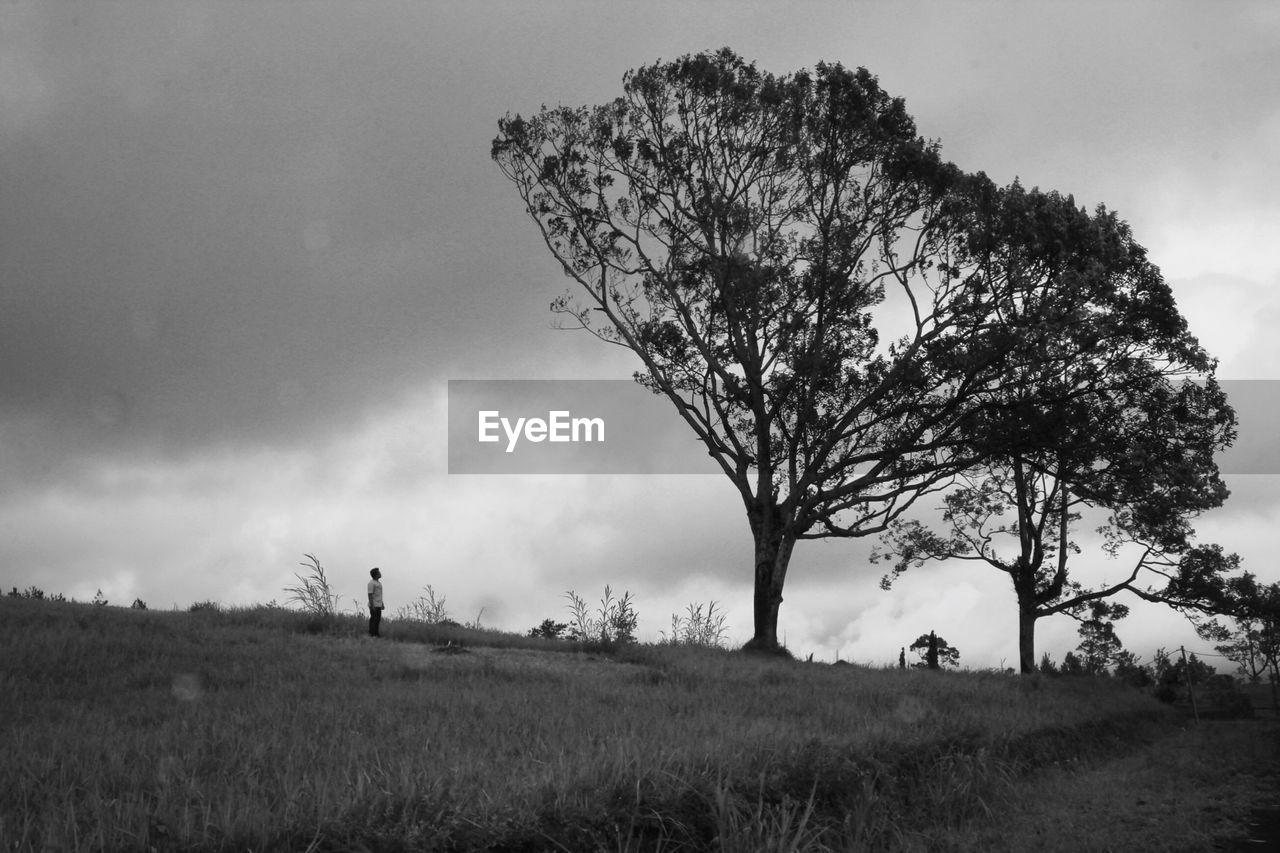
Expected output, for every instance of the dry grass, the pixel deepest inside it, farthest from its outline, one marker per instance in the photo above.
(1190, 791)
(134, 729)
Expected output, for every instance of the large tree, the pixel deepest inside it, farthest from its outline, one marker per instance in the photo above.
(1119, 416)
(778, 252)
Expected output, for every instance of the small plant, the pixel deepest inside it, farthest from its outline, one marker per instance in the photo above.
(313, 592)
(138, 604)
(697, 628)
(428, 608)
(99, 600)
(613, 624)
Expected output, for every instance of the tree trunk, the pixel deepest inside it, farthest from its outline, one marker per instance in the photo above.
(1026, 637)
(774, 541)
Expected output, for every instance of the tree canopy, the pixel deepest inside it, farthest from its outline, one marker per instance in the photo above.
(1116, 411)
(845, 320)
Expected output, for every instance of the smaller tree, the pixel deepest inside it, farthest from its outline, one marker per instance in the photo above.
(1250, 637)
(1099, 647)
(935, 652)
(1175, 676)
(36, 593)
(1130, 670)
(1072, 664)
(550, 629)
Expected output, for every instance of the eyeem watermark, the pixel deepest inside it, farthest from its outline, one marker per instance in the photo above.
(552, 426)
(560, 426)
(572, 426)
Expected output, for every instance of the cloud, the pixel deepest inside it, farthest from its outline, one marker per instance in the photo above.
(242, 249)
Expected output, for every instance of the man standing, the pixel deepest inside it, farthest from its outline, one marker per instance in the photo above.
(375, 601)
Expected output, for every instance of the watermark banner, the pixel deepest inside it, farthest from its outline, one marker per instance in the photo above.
(573, 426)
(614, 426)
(1257, 445)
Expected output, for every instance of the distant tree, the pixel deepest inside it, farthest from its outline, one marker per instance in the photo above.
(1099, 647)
(1072, 665)
(549, 629)
(935, 652)
(138, 604)
(100, 600)
(34, 592)
(1119, 415)
(782, 254)
(1047, 666)
(1174, 675)
(1131, 671)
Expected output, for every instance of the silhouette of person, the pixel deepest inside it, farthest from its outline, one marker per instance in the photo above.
(375, 601)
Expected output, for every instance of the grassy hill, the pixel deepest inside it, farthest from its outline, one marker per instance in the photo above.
(265, 729)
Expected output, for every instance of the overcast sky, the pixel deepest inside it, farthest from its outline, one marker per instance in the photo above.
(244, 246)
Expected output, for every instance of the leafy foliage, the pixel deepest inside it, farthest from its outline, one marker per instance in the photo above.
(1250, 636)
(787, 258)
(1099, 647)
(1116, 411)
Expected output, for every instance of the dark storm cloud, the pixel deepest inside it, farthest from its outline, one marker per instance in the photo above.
(239, 226)
(242, 247)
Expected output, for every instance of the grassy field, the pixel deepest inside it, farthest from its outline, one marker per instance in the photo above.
(265, 729)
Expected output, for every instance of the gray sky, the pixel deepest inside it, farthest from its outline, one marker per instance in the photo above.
(244, 246)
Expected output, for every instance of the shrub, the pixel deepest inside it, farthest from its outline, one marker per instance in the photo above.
(1225, 698)
(36, 593)
(613, 624)
(697, 628)
(427, 608)
(550, 629)
(313, 592)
